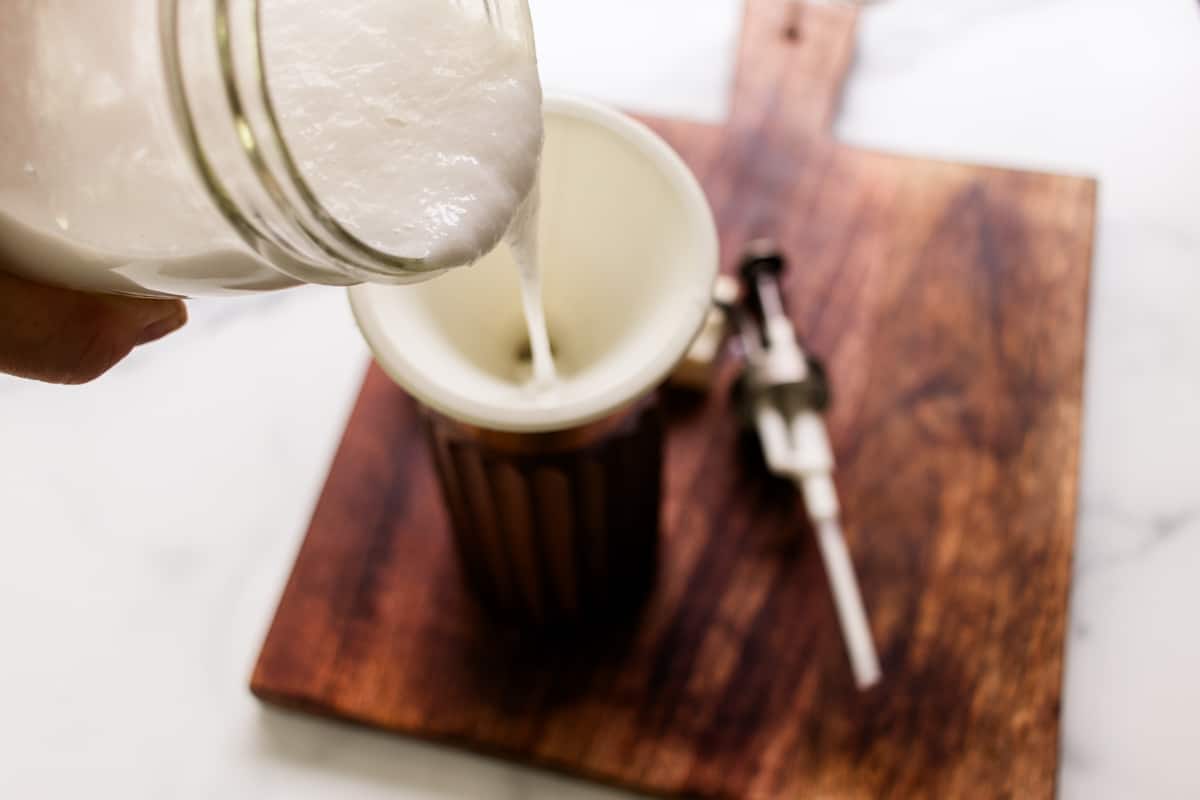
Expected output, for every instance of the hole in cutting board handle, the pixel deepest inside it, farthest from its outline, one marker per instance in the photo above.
(793, 25)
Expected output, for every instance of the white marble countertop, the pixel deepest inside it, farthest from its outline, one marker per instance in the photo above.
(148, 521)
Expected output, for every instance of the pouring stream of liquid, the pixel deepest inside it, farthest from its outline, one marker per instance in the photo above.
(522, 238)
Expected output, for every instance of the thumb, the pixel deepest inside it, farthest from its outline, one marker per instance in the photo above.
(62, 336)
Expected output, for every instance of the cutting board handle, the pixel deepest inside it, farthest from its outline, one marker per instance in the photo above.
(794, 80)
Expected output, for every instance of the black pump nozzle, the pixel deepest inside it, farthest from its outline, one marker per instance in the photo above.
(761, 267)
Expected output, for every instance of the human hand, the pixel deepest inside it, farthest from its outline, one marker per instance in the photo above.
(62, 336)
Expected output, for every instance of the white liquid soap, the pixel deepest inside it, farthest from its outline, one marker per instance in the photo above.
(420, 125)
(468, 117)
(522, 239)
(417, 124)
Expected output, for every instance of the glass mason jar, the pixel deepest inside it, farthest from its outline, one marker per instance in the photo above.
(142, 154)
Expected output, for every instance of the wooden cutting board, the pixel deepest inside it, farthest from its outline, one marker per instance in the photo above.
(951, 304)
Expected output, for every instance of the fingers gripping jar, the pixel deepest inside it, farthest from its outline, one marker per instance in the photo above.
(187, 147)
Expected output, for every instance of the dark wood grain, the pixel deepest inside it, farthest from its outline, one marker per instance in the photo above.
(951, 304)
(556, 530)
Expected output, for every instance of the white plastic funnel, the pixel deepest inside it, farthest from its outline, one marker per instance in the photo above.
(629, 257)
